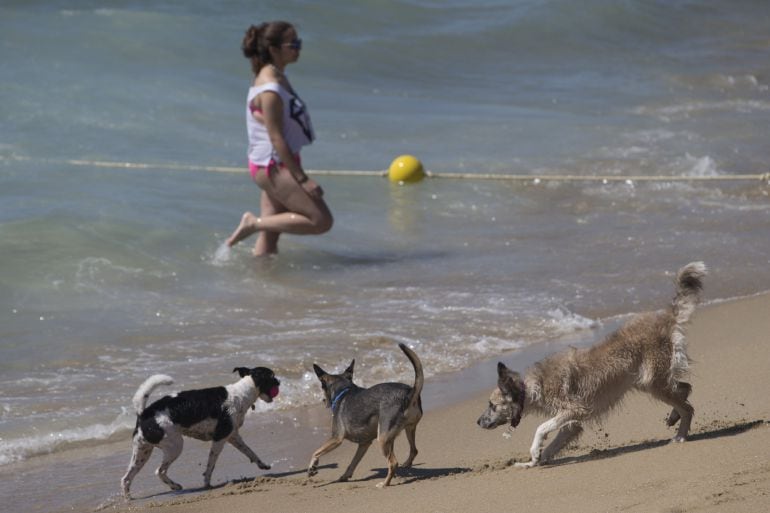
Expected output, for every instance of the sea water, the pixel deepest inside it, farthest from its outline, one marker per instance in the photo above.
(111, 274)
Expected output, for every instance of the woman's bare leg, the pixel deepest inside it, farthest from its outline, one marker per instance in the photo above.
(303, 215)
(267, 242)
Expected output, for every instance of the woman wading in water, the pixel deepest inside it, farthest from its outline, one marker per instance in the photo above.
(278, 126)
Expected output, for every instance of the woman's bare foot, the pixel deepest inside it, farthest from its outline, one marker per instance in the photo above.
(249, 226)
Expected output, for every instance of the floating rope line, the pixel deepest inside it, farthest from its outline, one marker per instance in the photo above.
(760, 177)
(765, 177)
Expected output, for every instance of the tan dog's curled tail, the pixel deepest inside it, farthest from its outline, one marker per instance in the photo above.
(689, 283)
(419, 379)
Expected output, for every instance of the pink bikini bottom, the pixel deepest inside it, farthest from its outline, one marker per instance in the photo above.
(256, 168)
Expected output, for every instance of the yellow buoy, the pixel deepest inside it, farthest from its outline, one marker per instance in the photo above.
(406, 168)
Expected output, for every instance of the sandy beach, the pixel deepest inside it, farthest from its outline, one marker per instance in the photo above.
(627, 464)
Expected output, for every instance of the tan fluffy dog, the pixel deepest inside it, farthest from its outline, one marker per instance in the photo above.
(648, 354)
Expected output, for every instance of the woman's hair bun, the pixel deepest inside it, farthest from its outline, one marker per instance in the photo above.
(251, 40)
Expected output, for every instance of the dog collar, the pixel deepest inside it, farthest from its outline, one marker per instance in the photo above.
(337, 398)
(515, 420)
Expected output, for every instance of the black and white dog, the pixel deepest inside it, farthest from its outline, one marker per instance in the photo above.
(213, 414)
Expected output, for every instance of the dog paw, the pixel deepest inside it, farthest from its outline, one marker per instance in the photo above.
(263, 465)
(525, 464)
(679, 439)
(176, 487)
(312, 471)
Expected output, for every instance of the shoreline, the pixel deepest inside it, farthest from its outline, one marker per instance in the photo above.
(625, 461)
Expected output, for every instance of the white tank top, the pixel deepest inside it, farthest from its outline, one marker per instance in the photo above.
(297, 128)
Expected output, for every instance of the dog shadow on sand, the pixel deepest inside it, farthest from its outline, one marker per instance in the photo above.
(243, 480)
(178, 493)
(406, 475)
(420, 473)
(600, 454)
(403, 476)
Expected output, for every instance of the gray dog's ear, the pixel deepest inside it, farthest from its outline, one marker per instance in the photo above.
(319, 371)
(349, 371)
(242, 371)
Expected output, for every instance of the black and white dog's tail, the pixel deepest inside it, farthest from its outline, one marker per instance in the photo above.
(145, 389)
(689, 283)
(419, 379)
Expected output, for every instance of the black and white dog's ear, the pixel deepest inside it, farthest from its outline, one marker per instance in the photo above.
(242, 371)
(349, 371)
(319, 371)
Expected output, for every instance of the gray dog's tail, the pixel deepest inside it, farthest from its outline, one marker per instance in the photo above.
(145, 389)
(689, 283)
(419, 379)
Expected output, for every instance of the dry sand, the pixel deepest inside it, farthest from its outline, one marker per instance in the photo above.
(627, 464)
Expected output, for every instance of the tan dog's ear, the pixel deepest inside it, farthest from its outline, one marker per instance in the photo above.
(512, 386)
(507, 379)
(349, 371)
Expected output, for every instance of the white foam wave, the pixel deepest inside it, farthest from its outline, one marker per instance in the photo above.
(563, 322)
(94, 274)
(486, 346)
(730, 82)
(685, 110)
(22, 448)
(653, 136)
(699, 166)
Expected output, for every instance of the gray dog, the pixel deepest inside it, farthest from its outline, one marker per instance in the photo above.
(647, 354)
(362, 415)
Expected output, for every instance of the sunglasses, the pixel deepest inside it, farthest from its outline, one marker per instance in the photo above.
(295, 44)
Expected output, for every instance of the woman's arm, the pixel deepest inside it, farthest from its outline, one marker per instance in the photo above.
(272, 113)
